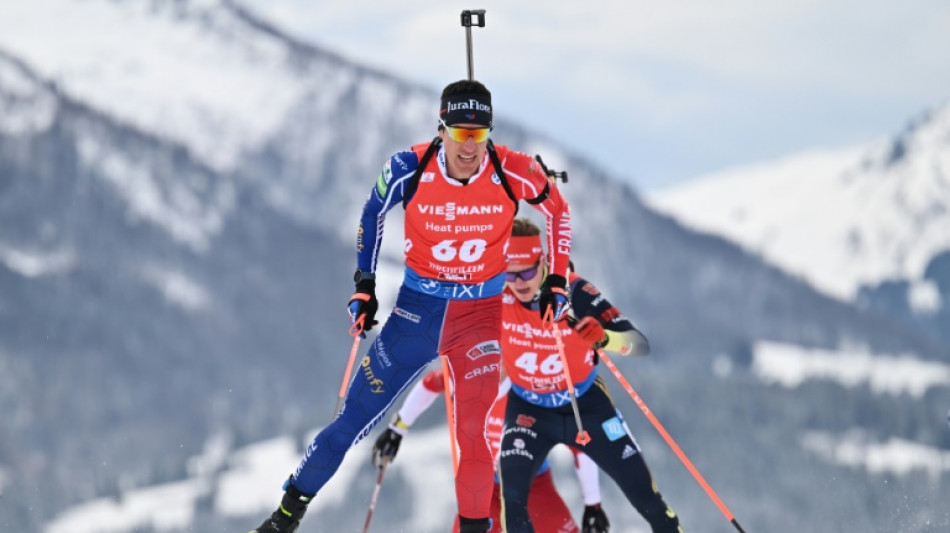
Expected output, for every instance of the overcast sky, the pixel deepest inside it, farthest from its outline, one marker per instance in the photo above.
(659, 92)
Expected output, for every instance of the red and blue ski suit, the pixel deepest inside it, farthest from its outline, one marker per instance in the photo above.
(456, 237)
(540, 415)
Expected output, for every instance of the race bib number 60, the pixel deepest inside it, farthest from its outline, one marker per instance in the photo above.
(467, 252)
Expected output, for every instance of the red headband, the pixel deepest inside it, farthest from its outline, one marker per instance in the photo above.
(524, 251)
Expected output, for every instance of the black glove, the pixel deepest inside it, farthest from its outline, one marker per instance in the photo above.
(385, 447)
(553, 297)
(595, 520)
(363, 304)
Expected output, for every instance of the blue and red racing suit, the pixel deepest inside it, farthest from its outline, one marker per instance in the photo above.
(449, 304)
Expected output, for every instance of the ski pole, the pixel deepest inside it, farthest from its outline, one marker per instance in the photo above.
(372, 500)
(450, 412)
(356, 330)
(471, 17)
(582, 436)
(669, 440)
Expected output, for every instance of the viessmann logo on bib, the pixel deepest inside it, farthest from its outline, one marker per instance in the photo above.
(451, 210)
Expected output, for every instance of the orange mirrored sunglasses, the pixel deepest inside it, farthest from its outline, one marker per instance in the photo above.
(461, 135)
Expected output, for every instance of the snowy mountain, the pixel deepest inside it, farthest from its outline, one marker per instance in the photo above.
(210, 78)
(866, 224)
(179, 189)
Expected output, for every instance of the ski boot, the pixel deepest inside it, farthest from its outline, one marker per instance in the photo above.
(669, 523)
(287, 517)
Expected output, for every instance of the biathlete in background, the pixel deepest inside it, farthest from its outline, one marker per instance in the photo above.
(539, 413)
(460, 194)
(547, 509)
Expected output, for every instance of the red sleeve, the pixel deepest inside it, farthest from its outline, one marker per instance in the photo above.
(529, 183)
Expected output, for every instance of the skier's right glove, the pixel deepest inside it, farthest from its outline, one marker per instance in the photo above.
(387, 444)
(363, 305)
(595, 520)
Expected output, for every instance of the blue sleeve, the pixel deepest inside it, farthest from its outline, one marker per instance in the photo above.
(387, 193)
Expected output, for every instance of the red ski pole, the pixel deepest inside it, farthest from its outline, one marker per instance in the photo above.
(356, 330)
(582, 436)
(669, 440)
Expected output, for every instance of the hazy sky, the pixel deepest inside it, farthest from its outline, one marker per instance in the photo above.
(659, 92)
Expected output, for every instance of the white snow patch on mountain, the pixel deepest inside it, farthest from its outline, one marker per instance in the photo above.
(162, 508)
(23, 109)
(924, 297)
(893, 456)
(838, 218)
(248, 486)
(790, 366)
(178, 207)
(177, 288)
(166, 67)
(252, 484)
(36, 263)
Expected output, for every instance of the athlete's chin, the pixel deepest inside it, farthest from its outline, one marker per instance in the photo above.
(524, 296)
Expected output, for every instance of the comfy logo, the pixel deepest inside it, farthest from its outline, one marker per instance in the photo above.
(375, 384)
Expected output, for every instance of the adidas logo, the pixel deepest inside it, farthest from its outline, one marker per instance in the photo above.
(628, 452)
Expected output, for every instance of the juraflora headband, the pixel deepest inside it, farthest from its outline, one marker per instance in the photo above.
(466, 109)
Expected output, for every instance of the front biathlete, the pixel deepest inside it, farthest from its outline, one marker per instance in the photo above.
(539, 414)
(460, 196)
